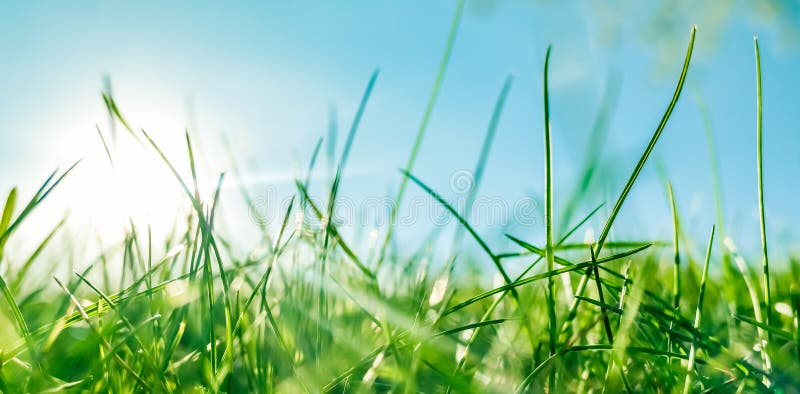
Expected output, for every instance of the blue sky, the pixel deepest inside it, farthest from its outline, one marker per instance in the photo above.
(265, 75)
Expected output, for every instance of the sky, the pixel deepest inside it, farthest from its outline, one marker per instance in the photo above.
(265, 77)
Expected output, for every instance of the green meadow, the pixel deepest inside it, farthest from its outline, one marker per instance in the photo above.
(315, 309)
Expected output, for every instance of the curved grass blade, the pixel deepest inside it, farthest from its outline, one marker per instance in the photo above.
(105, 145)
(357, 119)
(502, 295)
(470, 326)
(8, 213)
(544, 275)
(639, 166)
(562, 261)
(23, 271)
(312, 162)
(466, 225)
(676, 259)
(653, 140)
(698, 315)
(335, 234)
(760, 172)
(548, 222)
(774, 330)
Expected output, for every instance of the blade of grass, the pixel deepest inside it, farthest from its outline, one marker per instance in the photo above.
(548, 221)
(774, 330)
(639, 166)
(22, 326)
(752, 290)
(541, 253)
(335, 233)
(600, 347)
(470, 326)
(676, 266)
(502, 295)
(102, 338)
(357, 120)
(112, 107)
(467, 226)
(676, 257)
(649, 149)
(534, 278)
(5, 220)
(760, 172)
(601, 299)
(105, 145)
(697, 316)
(312, 162)
(795, 296)
(44, 190)
(23, 271)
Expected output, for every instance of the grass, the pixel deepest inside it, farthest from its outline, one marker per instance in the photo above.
(313, 311)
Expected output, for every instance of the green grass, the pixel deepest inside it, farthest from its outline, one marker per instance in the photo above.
(310, 310)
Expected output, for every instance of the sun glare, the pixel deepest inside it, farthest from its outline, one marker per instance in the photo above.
(122, 181)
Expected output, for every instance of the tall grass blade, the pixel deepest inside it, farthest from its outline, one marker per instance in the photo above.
(760, 171)
(649, 149)
(548, 223)
(687, 385)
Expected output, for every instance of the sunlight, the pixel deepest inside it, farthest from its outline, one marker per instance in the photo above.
(130, 183)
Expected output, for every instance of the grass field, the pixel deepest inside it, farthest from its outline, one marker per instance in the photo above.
(308, 312)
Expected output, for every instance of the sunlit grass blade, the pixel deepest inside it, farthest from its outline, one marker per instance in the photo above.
(486, 315)
(541, 253)
(102, 338)
(262, 282)
(795, 296)
(772, 330)
(534, 278)
(698, 315)
(676, 260)
(47, 187)
(676, 256)
(23, 270)
(601, 299)
(470, 326)
(585, 348)
(335, 233)
(604, 307)
(19, 320)
(112, 107)
(105, 145)
(639, 166)
(5, 220)
(760, 173)
(142, 348)
(548, 220)
(649, 149)
(357, 120)
(483, 245)
(312, 162)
